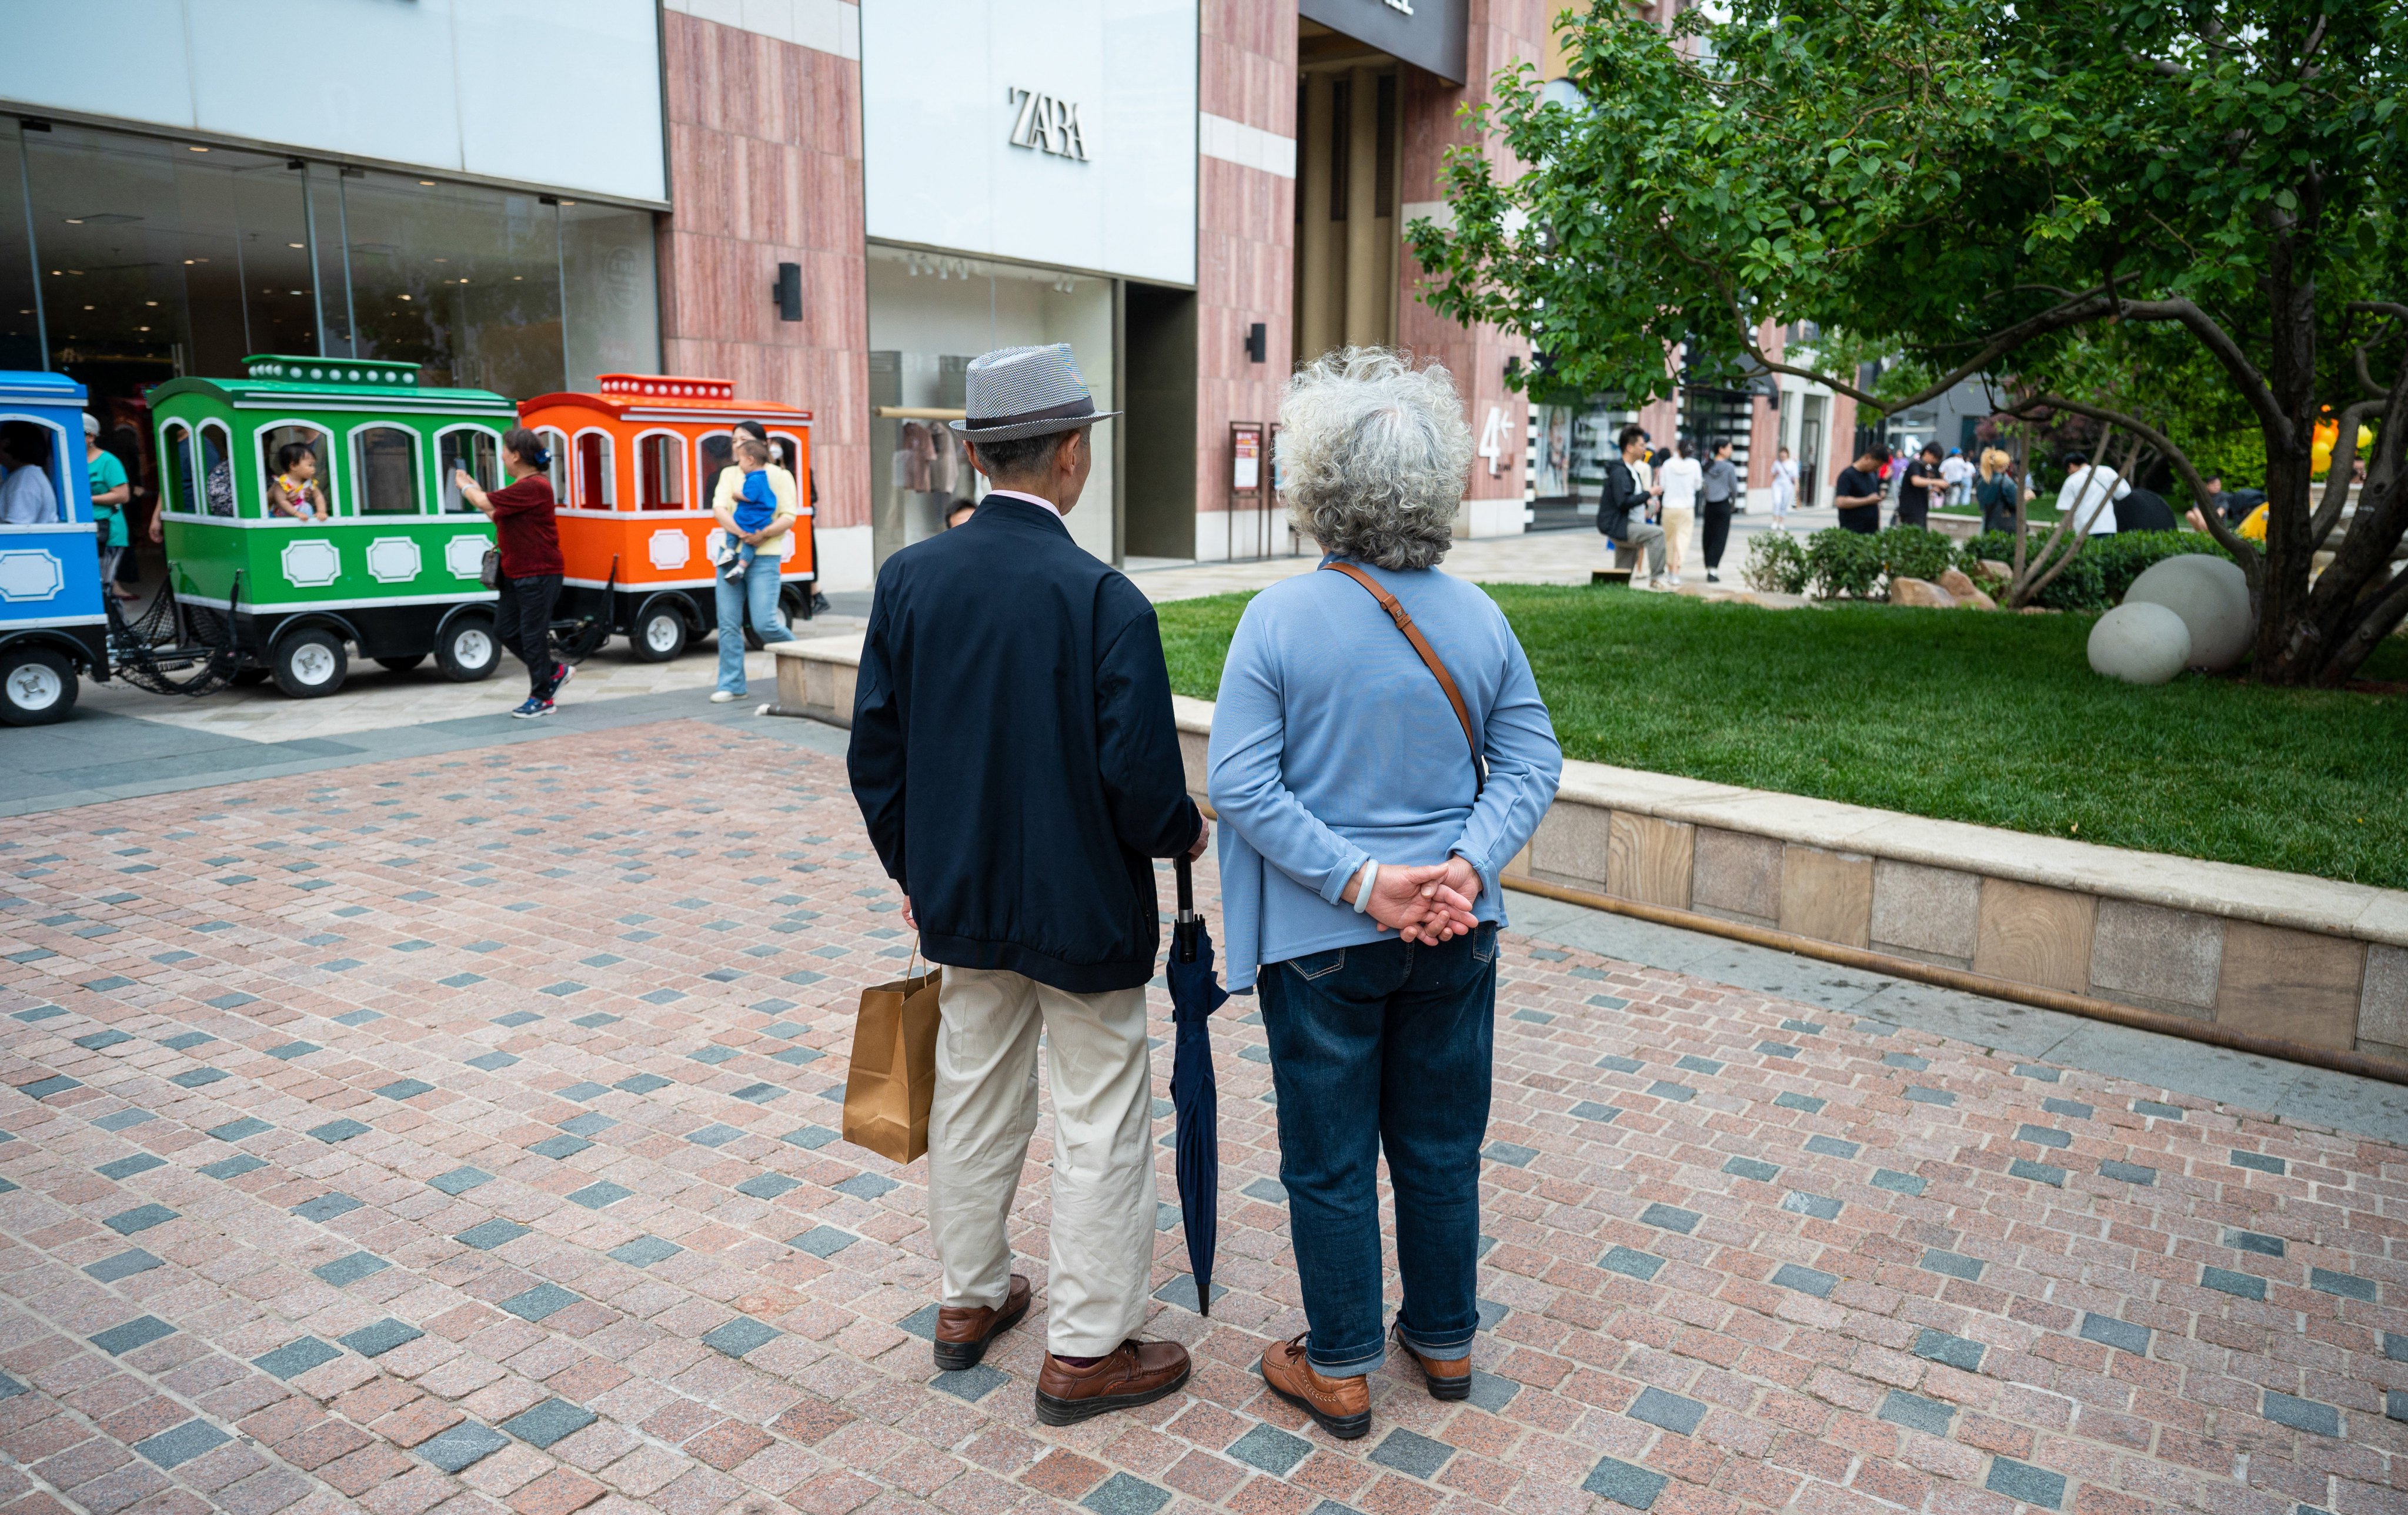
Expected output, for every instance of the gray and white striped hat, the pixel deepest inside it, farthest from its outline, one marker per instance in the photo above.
(1026, 392)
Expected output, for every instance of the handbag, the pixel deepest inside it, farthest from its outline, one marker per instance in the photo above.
(1430, 660)
(893, 1080)
(489, 569)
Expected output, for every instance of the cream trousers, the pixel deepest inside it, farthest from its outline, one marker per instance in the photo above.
(1678, 523)
(978, 1126)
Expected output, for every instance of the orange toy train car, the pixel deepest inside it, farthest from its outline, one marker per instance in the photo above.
(633, 469)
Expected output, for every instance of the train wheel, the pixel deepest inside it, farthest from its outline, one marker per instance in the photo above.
(309, 663)
(469, 651)
(402, 665)
(660, 634)
(36, 687)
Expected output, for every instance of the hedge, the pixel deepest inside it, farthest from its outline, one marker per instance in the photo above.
(1833, 563)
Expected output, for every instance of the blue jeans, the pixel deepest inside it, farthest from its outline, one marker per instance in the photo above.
(755, 595)
(1387, 1045)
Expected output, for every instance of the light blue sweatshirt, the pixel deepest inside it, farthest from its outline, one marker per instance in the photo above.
(1333, 745)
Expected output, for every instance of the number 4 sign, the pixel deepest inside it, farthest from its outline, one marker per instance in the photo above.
(1492, 439)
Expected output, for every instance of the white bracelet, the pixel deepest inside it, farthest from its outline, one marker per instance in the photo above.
(1371, 880)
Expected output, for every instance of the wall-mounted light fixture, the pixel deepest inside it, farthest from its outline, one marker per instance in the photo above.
(789, 290)
(1258, 341)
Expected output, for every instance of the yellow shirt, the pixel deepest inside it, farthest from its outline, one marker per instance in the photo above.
(781, 484)
(2252, 526)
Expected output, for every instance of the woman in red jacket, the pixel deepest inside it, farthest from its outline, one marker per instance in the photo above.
(531, 566)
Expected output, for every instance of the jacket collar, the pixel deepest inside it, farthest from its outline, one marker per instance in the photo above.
(1013, 507)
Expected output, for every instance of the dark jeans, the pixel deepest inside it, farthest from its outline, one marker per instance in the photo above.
(1389, 1046)
(1718, 520)
(1914, 513)
(523, 622)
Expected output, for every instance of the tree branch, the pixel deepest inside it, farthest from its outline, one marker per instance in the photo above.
(2086, 307)
(2221, 345)
(2231, 541)
(2345, 455)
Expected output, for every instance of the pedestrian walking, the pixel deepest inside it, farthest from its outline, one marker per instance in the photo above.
(1680, 479)
(1379, 751)
(1959, 475)
(1857, 490)
(750, 598)
(1013, 705)
(1622, 506)
(1785, 488)
(529, 584)
(1998, 491)
(110, 492)
(2089, 495)
(1719, 490)
(1923, 480)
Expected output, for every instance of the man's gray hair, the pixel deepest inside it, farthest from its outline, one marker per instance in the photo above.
(1375, 452)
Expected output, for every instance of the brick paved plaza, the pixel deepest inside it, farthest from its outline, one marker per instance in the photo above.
(458, 1133)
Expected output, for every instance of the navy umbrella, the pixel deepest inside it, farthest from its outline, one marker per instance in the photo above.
(1194, 993)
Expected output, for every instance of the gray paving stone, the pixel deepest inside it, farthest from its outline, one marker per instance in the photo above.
(1806, 1281)
(644, 1251)
(1929, 1416)
(1674, 1412)
(2303, 1414)
(296, 1357)
(740, 1335)
(352, 1269)
(1631, 1263)
(2034, 1486)
(461, 1447)
(542, 1301)
(2122, 1334)
(139, 1331)
(1125, 1494)
(459, 1181)
(1957, 1352)
(548, 1423)
(1625, 1483)
(1410, 1452)
(123, 1265)
(375, 1341)
(174, 1447)
(1669, 1218)
(1270, 1449)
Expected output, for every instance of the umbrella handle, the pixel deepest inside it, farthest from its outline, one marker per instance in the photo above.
(1184, 931)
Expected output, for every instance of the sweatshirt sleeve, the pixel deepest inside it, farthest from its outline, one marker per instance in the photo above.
(1525, 766)
(1248, 793)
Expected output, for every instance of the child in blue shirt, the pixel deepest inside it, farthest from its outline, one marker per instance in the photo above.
(756, 504)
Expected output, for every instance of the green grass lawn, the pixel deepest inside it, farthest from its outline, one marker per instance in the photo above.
(1994, 718)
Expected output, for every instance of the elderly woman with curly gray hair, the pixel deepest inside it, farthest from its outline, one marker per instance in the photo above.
(1379, 751)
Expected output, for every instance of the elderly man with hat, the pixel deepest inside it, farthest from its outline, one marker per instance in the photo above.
(1014, 756)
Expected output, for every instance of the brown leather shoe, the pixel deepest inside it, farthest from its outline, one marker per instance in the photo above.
(963, 1335)
(1446, 1381)
(1139, 1373)
(1341, 1407)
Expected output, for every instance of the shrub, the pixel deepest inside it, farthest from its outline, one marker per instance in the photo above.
(2101, 576)
(1915, 553)
(1840, 562)
(1775, 564)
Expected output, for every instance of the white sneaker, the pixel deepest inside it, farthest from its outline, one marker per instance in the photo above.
(721, 696)
(1673, 580)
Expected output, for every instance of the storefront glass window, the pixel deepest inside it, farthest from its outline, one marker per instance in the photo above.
(462, 279)
(929, 315)
(613, 298)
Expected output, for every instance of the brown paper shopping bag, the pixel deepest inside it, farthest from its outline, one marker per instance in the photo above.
(893, 1075)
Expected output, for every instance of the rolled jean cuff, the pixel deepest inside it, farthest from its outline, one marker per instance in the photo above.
(1347, 1363)
(1454, 1348)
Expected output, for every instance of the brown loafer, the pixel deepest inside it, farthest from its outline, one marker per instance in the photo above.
(1341, 1407)
(1446, 1381)
(1137, 1373)
(963, 1335)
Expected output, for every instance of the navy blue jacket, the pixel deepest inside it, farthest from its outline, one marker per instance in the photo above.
(1014, 751)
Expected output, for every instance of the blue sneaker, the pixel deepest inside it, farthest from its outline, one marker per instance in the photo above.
(531, 709)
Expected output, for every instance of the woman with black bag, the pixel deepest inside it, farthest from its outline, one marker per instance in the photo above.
(529, 568)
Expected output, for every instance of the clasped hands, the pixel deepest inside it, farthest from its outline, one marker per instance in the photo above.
(1431, 903)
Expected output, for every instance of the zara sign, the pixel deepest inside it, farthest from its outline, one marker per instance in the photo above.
(1047, 124)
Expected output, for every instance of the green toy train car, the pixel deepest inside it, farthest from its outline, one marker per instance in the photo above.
(311, 504)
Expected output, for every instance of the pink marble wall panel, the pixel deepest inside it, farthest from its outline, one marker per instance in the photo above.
(766, 167)
(1501, 33)
(1245, 263)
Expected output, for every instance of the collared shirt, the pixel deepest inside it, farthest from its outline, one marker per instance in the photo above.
(26, 497)
(1015, 494)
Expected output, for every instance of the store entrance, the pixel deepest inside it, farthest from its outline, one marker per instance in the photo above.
(1348, 222)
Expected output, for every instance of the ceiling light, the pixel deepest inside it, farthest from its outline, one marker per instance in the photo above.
(569, 202)
(427, 182)
(150, 302)
(405, 296)
(74, 221)
(296, 246)
(187, 262)
(87, 307)
(196, 149)
(141, 328)
(296, 291)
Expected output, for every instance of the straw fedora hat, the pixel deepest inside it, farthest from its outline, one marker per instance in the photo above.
(1017, 391)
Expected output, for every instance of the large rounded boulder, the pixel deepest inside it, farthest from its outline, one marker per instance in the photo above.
(2140, 643)
(2212, 597)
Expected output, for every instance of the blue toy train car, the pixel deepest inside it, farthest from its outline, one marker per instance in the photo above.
(54, 625)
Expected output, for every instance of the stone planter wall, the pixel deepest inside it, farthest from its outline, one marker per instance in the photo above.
(2247, 950)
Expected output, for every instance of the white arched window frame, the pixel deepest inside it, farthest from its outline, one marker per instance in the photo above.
(595, 469)
(59, 491)
(179, 489)
(355, 499)
(323, 441)
(705, 486)
(214, 445)
(459, 445)
(788, 449)
(562, 468)
(656, 451)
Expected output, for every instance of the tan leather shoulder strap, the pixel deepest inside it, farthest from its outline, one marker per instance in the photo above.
(1403, 618)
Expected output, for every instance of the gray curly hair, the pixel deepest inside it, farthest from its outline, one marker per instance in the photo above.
(1375, 452)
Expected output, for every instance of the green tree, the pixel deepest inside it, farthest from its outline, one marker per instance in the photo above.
(1992, 187)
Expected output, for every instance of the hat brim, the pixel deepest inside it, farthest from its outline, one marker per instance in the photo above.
(968, 432)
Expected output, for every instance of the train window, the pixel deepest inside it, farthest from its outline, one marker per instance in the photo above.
(292, 458)
(660, 472)
(784, 448)
(176, 457)
(595, 490)
(716, 454)
(556, 472)
(384, 471)
(469, 450)
(217, 470)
